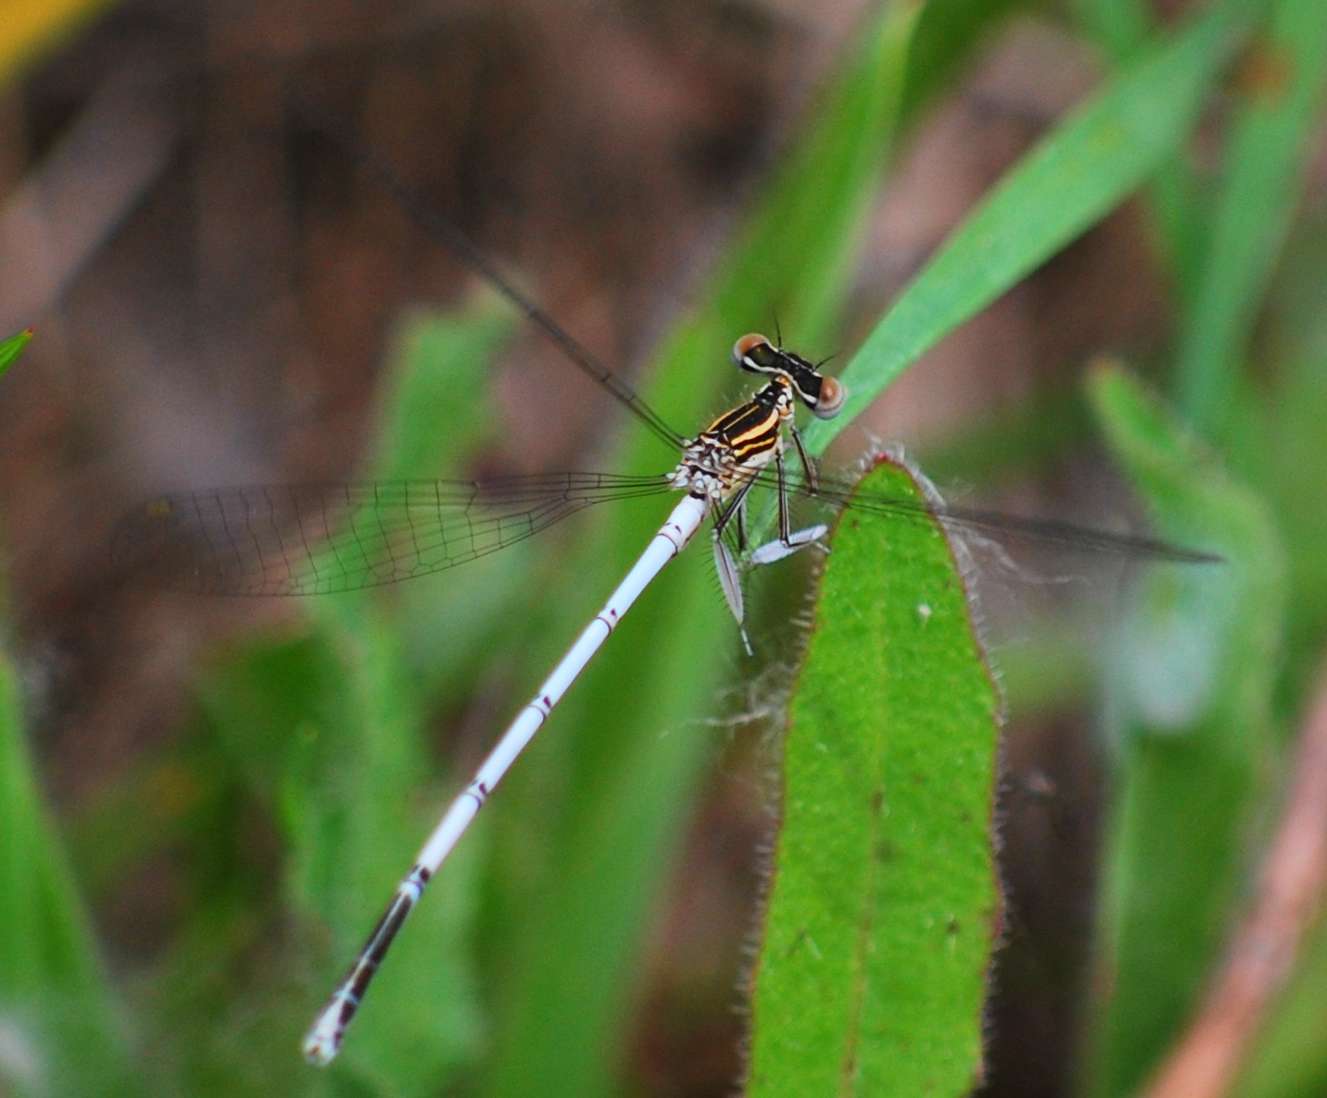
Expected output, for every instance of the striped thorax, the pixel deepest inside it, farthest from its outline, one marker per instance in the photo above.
(741, 442)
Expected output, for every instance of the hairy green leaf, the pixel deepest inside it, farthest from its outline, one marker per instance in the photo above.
(1086, 167)
(881, 920)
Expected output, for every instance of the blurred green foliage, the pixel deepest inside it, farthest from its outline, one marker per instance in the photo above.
(1189, 708)
(518, 974)
(12, 347)
(54, 995)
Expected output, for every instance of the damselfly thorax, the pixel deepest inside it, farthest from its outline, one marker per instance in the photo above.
(726, 456)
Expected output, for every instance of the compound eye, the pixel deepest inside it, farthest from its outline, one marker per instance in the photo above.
(832, 395)
(753, 351)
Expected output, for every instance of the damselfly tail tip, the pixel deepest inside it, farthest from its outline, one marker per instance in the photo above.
(323, 1041)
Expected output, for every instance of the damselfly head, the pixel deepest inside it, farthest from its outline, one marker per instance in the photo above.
(755, 354)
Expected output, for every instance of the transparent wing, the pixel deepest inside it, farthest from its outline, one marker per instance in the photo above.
(320, 538)
(840, 492)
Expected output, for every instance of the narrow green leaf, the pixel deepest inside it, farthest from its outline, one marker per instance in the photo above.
(59, 1018)
(1286, 73)
(881, 919)
(1120, 26)
(1177, 202)
(439, 361)
(1292, 470)
(12, 347)
(1073, 178)
(1190, 710)
(948, 31)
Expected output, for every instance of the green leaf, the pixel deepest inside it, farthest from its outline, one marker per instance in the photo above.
(12, 347)
(1286, 72)
(1073, 178)
(438, 376)
(948, 31)
(1189, 708)
(1292, 470)
(1176, 199)
(881, 919)
(57, 1013)
(1120, 26)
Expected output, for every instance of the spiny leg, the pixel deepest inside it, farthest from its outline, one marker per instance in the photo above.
(730, 575)
(789, 541)
(808, 466)
(734, 510)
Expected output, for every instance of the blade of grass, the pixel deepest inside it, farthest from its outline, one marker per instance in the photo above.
(1190, 709)
(881, 918)
(61, 1025)
(947, 32)
(1285, 76)
(1295, 481)
(1121, 28)
(1086, 167)
(12, 347)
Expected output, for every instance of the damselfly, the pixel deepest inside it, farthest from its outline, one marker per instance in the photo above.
(298, 540)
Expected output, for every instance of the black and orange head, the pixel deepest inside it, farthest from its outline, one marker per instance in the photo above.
(757, 355)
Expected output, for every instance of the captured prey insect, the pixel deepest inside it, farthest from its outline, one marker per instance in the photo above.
(296, 540)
